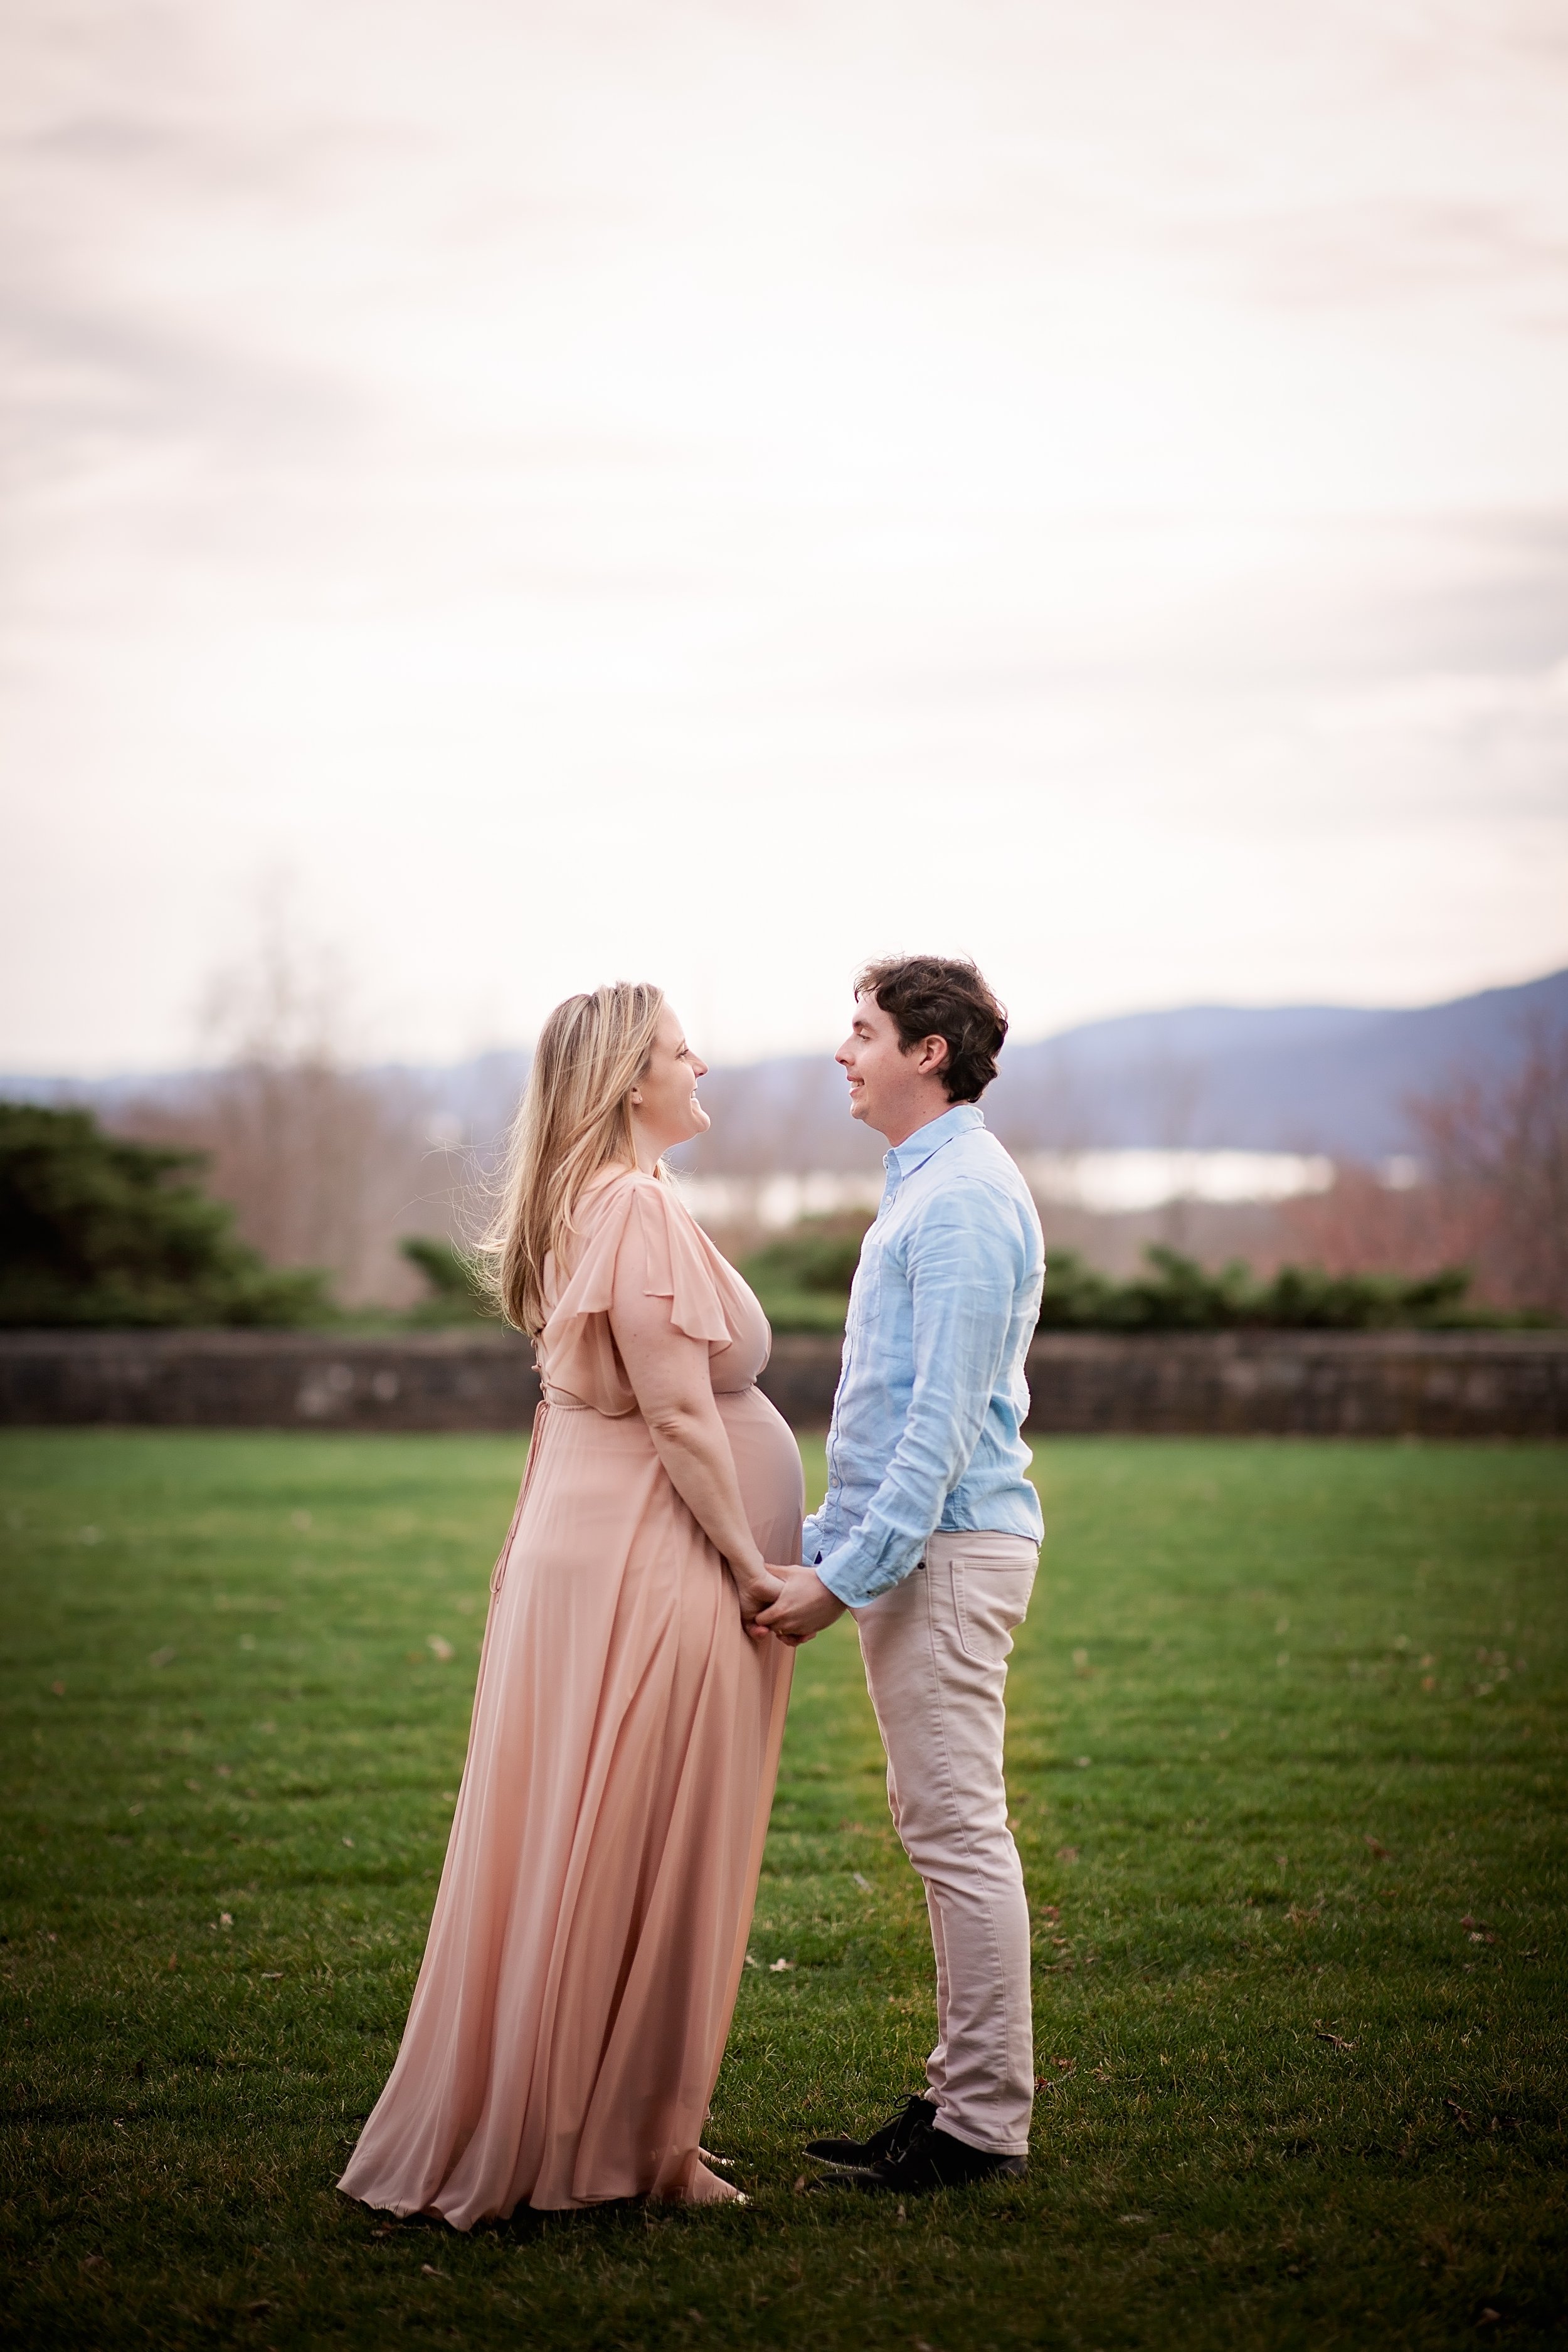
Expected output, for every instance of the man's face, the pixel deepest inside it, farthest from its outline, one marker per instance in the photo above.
(891, 1090)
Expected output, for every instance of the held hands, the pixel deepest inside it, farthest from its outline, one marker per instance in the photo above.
(758, 1585)
(803, 1607)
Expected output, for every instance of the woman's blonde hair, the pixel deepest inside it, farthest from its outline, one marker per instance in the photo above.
(575, 1117)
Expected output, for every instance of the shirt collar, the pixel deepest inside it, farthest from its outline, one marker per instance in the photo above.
(918, 1147)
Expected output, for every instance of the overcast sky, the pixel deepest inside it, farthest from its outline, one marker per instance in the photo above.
(710, 489)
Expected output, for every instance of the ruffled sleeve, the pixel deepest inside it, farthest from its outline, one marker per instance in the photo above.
(638, 1235)
(676, 1265)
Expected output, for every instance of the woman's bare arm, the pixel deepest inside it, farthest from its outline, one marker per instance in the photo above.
(669, 1378)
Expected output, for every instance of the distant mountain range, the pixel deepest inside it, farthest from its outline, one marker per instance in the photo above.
(1300, 1078)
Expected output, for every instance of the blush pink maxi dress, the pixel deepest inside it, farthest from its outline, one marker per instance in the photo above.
(589, 1928)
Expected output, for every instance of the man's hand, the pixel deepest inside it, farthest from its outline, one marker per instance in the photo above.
(802, 1609)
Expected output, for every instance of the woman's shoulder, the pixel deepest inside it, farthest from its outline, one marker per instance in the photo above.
(623, 1208)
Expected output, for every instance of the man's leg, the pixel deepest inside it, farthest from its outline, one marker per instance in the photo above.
(936, 1650)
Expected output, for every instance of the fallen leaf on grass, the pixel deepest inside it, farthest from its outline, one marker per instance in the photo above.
(1065, 2067)
(1322, 2034)
(1489, 2317)
(1066, 1853)
(800, 2182)
(775, 1966)
(59, 1689)
(430, 2270)
(439, 1645)
(1375, 1846)
(1049, 1913)
(861, 1880)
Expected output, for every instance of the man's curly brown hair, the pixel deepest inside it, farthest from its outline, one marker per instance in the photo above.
(942, 996)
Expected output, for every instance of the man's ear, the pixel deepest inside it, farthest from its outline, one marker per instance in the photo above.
(934, 1055)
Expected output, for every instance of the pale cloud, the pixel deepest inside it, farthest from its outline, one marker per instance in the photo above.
(712, 491)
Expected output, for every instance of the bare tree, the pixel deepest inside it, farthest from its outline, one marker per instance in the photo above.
(324, 1164)
(1175, 1086)
(1491, 1191)
(1365, 1223)
(1498, 1151)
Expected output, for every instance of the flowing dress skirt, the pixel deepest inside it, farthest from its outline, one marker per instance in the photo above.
(589, 1928)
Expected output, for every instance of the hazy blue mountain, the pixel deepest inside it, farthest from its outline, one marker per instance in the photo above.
(1328, 1079)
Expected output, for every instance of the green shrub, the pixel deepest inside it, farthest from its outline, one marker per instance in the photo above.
(1178, 1295)
(96, 1231)
(456, 1293)
(802, 1281)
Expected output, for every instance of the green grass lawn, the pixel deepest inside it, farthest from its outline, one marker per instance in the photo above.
(1286, 1758)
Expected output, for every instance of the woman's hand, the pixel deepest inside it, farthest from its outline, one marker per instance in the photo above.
(759, 1587)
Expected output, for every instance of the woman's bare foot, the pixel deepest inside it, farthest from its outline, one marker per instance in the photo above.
(707, 2189)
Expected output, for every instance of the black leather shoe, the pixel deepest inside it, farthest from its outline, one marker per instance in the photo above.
(931, 2158)
(888, 2139)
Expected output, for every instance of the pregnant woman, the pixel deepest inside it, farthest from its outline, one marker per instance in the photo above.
(590, 1929)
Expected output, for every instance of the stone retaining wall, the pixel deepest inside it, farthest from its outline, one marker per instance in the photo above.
(268, 1379)
(1304, 1384)
(1308, 1384)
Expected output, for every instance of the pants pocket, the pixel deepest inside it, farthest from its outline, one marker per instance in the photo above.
(989, 1604)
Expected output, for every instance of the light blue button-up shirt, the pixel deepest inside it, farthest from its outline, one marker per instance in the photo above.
(931, 1398)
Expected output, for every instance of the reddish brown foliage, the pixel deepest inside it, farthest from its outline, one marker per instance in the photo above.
(1493, 1194)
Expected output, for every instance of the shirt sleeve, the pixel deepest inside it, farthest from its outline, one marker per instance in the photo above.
(964, 1262)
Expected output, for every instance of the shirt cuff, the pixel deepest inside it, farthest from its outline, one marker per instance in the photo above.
(838, 1572)
(854, 1579)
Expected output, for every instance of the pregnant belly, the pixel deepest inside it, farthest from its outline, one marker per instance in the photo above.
(767, 1465)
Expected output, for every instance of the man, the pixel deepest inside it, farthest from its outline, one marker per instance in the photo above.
(931, 1533)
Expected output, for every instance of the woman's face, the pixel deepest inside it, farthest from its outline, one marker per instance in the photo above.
(664, 1109)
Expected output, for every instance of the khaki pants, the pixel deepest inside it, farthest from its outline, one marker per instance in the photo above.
(936, 1650)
